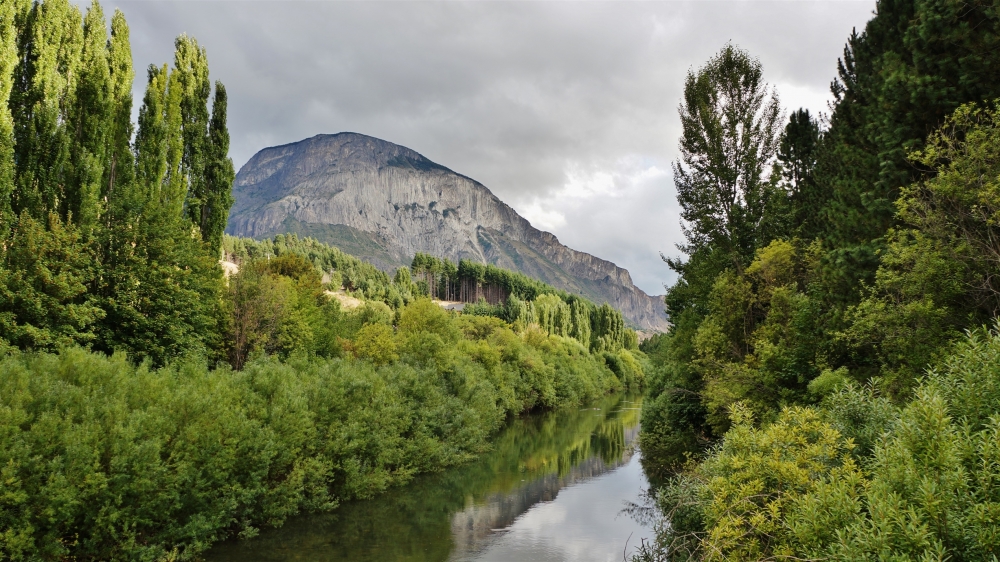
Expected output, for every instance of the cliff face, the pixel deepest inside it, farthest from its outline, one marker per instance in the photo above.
(384, 202)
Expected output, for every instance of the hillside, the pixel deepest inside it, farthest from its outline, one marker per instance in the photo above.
(384, 203)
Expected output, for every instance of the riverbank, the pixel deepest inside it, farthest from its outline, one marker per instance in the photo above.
(552, 487)
(102, 459)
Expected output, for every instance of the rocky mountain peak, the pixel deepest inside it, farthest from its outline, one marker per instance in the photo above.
(384, 202)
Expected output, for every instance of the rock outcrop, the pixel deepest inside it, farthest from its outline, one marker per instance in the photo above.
(383, 202)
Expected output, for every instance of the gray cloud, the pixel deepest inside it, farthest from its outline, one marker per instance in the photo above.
(530, 98)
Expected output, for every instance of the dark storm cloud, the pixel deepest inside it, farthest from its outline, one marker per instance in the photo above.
(567, 111)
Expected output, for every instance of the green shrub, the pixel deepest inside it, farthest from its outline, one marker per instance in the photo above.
(102, 459)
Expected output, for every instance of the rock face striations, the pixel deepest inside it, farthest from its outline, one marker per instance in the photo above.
(383, 202)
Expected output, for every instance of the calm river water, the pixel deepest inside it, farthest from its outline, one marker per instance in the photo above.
(553, 489)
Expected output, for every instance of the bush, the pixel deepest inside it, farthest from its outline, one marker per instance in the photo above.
(102, 459)
(922, 484)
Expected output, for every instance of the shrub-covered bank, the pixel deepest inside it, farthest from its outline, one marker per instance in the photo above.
(853, 478)
(104, 460)
(822, 256)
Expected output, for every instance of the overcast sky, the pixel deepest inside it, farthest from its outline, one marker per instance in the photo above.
(566, 110)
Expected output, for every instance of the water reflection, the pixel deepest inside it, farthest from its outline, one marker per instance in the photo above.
(469, 513)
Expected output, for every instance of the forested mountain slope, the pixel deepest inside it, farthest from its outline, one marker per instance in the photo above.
(384, 203)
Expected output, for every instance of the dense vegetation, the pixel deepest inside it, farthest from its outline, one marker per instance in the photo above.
(827, 388)
(107, 242)
(149, 404)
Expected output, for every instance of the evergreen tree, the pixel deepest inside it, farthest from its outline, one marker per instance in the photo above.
(914, 63)
(797, 158)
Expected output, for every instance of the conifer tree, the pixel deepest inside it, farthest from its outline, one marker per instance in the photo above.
(914, 63)
(797, 157)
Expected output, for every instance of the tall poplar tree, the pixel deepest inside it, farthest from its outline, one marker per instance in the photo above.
(10, 12)
(170, 296)
(119, 168)
(90, 123)
(213, 211)
(50, 46)
(730, 121)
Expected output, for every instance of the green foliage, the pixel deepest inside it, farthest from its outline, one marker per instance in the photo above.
(914, 63)
(797, 152)
(83, 194)
(731, 125)
(755, 343)
(920, 485)
(896, 258)
(9, 13)
(360, 279)
(911, 313)
(374, 342)
(522, 301)
(959, 205)
(43, 296)
(213, 210)
(106, 460)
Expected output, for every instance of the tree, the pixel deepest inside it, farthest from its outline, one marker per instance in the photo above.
(730, 125)
(50, 42)
(120, 167)
(90, 120)
(164, 295)
(913, 65)
(729, 200)
(9, 14)
(212, 209)
(44, 302)
(797, 157)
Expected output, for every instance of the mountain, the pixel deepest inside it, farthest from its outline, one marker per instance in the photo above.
(383, 202)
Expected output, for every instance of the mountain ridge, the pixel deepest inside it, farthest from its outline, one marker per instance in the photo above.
(387, 202)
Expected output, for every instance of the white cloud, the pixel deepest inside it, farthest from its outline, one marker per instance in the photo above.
(621, 211)
(539, 101)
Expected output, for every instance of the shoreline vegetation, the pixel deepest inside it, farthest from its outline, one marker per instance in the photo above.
(151, 405)
(829, 387)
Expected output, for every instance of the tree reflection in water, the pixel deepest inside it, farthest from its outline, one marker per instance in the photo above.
(456, 513)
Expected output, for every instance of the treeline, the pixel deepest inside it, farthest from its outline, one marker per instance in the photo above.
(341, 270)
(106, 241)
(824, 257)
(150, 405)
(525, 301)
(105, 460)
(521, 300)
(314, 404)
(470, 281)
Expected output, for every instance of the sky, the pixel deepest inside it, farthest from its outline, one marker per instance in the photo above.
(566, 110)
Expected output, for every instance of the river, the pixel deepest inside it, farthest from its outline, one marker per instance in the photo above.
(552, 489)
